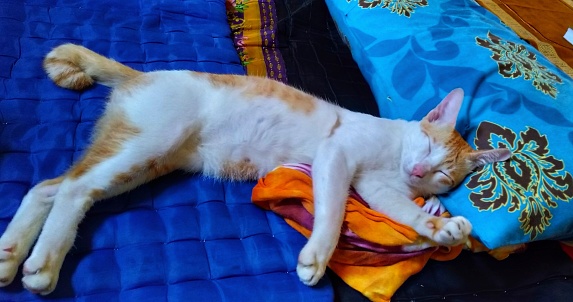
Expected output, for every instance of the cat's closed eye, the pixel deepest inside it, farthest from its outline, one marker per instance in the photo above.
(429, 144)
(444, 178)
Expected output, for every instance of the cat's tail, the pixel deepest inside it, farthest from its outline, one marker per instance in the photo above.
(76, 67)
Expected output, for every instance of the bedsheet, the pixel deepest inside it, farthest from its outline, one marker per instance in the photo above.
(180, 238)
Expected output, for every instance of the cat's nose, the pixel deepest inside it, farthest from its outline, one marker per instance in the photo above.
(419, 170)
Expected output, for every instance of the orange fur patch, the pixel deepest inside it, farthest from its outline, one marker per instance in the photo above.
(226, 79)
(259, 86)
(241, 170)
(176, 158)
(53, 181)
(447, 182)
(72, 76)
(296, 99)
(135, 83)
(458, 150)
(67, 64)
(111, 133)
(151, 169)
(97, 194)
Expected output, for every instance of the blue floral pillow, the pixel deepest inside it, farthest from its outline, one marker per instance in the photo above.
(413, 52)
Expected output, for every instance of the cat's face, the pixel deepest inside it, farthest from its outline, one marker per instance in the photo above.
(436, 158)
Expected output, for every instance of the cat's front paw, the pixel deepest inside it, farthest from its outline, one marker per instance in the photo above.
(39, 276)
(450, 231)
(312, 262)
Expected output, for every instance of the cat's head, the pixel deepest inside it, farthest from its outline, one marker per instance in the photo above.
(437, 158)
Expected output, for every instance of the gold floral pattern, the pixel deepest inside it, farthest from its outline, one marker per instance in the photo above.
(514, 60)
(235, 17)
(254, 31)
(533, 182)
(401, 7)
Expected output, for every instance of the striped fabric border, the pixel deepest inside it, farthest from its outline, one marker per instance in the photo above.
(254, 29)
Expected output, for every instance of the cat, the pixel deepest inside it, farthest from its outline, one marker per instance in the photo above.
(237, 127)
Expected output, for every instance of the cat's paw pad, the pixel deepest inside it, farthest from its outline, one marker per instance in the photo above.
(8, 265)
(450, 231)
(309, 268)
(38, 278)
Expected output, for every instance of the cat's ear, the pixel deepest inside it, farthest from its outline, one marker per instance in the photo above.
(447, 110)
(483, 157)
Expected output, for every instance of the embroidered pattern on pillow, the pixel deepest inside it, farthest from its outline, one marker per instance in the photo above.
(401, 7)
(533, 182)
(514, 60)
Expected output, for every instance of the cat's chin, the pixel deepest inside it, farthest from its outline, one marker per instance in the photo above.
(420, 185)
(415, 181)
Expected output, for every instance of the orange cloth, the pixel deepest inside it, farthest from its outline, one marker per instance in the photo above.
(499, 253)
(377, 275)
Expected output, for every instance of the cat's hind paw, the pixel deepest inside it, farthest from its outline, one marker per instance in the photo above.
(38, 278)
(309, 268)
(8, 266)
(450, 231)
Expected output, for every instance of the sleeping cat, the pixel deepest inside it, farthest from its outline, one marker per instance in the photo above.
(237, 127)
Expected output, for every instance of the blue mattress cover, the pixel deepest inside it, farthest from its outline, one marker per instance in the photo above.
(180, 238)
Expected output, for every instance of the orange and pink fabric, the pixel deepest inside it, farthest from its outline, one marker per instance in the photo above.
(375, 254)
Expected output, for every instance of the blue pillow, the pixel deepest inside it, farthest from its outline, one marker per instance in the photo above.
(413, 52)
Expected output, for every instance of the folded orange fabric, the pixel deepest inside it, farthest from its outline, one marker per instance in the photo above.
(375, 254)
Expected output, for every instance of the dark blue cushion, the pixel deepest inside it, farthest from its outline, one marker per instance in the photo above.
(180, 238)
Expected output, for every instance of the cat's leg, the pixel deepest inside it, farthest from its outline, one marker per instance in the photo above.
(78, 191)
(24, 228)
(442, 230)
(332, 174)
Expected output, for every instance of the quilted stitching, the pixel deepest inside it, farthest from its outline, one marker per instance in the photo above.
(180, 238)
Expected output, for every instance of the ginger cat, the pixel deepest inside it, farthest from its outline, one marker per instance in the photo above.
(237, 127)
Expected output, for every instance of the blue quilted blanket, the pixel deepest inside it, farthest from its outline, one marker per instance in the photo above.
(180, 238)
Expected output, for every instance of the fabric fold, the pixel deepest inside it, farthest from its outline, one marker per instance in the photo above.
(375, 254)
